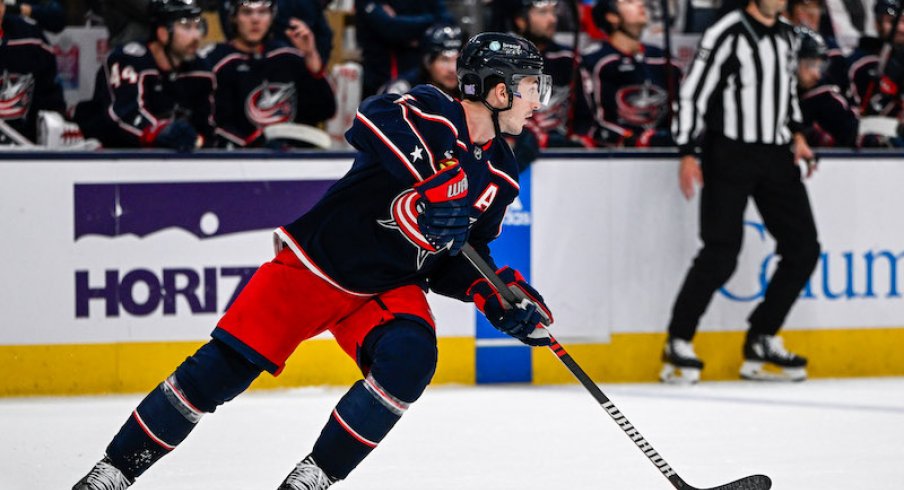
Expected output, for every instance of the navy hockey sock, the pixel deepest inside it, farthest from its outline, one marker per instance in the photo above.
(209, 378)
(155, 428)
(358, 423)
(403, 355)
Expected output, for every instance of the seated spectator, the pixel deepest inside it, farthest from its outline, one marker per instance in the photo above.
(630, 85)
(872, 92)
(809, 14)
(388, 32)
(155, 94)
(827, 117)
(126, 21)
(439, 48)
(28, 79)
(262, 82)
(537, 21)
(47, 14)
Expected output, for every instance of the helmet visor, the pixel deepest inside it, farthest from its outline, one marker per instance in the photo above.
(533, 88)
(189, 23)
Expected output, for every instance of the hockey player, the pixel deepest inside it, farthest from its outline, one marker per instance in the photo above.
(28, 79)
(439, 48)
(827, 117)
(627, 82)
(156, 94)
(261, 82)
(809, 14)
(875, 93)
(537, 21)
(430, 173)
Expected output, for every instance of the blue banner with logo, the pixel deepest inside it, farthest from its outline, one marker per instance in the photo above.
(500, 358)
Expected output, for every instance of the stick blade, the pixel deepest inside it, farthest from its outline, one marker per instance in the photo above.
(754, 482)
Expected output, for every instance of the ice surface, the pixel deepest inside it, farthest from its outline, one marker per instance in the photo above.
(821, 434)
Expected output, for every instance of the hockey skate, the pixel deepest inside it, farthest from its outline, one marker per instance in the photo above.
(307, 476)
(766, 359)
(104, 476)
(682, 366)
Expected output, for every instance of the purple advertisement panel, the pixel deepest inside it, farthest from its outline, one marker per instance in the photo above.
(204, 209)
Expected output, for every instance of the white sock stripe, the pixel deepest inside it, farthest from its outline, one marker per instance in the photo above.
(147, 430)
(179, 401)
(352, 432)
(392, 403)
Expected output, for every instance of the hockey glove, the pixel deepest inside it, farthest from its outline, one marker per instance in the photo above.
(443, 208)
(522, 319)
(177, 134)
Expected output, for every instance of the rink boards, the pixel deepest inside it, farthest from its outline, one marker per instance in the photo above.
(118, 268)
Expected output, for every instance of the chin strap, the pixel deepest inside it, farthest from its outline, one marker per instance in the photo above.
(495, 112)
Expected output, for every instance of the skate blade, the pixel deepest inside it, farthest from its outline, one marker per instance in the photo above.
(763, 371)
(676, 375)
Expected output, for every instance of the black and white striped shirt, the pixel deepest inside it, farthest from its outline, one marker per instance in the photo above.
(742, 84)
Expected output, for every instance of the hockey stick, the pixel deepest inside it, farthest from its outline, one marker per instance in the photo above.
(15, 136)
(667, 46)
(514, 296)
(575, 66)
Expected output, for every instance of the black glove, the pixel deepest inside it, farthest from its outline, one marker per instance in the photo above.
(522, 319)
(444, 209)
(177, 134)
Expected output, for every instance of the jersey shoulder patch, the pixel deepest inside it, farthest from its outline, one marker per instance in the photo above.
(135, 49)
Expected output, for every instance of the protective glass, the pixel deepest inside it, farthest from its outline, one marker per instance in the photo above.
(533, 88)
(189, 23)
(256, 3)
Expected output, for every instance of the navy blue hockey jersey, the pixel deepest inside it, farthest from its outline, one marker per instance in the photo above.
(362, 236)
(628, 95)
(828, 118)
(132, 96)
(871, 93)
(550, 124)
(254, 91)
(28, 76)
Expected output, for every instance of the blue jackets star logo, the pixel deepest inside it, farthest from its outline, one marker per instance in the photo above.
(403, 214)
(417, 154)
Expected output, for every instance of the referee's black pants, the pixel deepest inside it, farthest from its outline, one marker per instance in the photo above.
(732, 172)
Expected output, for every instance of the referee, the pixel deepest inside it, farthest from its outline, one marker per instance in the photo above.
(739, 112)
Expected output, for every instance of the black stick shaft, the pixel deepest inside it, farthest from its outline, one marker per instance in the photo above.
(512, 297)
(667, 47)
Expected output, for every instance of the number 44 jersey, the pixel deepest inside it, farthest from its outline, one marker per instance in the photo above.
(133, 96)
